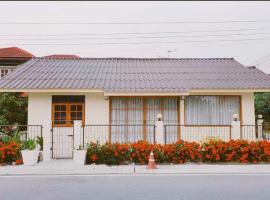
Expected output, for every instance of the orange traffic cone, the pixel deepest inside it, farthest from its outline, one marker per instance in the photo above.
(151, 163)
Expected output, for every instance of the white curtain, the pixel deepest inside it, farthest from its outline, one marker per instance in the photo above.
(211, 110)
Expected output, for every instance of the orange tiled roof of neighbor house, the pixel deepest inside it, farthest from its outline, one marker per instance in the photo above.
(14, 52)
(61, 56)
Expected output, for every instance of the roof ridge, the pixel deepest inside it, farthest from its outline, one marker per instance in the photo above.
(128, 58)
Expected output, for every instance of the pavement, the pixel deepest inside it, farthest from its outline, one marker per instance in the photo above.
(67, 167)
(135, 187)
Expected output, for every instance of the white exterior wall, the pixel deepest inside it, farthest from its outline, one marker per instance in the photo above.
(40, 113)
(97, 112)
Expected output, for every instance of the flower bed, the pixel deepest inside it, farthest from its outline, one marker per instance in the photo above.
(9, 153)
(234, 151)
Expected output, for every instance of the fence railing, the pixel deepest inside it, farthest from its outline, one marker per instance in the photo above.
(251, 132)
(196, 133)
(25, 131)
(117, 133)
(266, 130)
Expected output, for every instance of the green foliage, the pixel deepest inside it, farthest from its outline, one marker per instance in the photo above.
(14, 137)
(13, 108)
(262, 105)
(29, 144)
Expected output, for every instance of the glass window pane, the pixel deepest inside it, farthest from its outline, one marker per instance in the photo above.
(56, 115)
(73, 115)
(79, 115)
(73, 108)
(63, 115)
(211, 110)
(63, 108)
(79, 108)
(57, 108)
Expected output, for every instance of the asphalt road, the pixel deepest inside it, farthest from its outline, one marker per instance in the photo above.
(141, 187)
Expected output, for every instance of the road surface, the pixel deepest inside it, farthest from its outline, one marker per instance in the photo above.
(141, 187)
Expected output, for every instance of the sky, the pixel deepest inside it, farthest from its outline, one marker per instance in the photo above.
(140, 29)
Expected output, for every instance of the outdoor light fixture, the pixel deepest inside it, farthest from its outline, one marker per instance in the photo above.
(159, 116)
(235, 117)
(106, 98)
(182, 98)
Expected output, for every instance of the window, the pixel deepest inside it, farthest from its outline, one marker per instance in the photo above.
(66, 109)
(140, 111)
(211, 110)
(4, 72)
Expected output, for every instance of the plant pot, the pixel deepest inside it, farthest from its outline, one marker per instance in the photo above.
(30, 157)
(40, 156)
(79, 156)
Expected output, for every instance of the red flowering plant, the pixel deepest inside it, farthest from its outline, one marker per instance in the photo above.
(116, 154)
(140, 152)
(94, 153)
(214, 151)
(110, 154)
(9, 152)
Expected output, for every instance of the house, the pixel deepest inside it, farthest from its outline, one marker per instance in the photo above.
(11, 57)
(61, 56)
(118, 99)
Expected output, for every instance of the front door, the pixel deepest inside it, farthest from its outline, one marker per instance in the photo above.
(65, 109)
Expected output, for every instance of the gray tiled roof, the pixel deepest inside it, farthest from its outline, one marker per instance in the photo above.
(135, 74)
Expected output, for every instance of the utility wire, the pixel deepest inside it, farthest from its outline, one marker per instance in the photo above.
(143, 37)
(136, 33)
(268, 59)
(260, 59)
(126, 43)
(135, 23)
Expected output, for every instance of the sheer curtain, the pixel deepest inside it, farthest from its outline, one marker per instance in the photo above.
(211, 110)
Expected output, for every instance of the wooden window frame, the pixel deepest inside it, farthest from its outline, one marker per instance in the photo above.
(240, 106)
(144, 109)
(69, 122)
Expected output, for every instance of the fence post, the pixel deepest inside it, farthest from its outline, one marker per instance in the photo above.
(47, 141)
(236, 128)
(159, 130)
(77, 133)
(260, 127)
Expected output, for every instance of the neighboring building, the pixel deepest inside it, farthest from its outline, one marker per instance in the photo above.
(61, 56)
(129, 92)
(11, 57)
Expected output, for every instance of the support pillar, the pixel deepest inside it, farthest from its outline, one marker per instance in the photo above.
(77, 134)
(236, 128)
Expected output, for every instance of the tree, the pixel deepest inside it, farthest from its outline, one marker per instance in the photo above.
(13, 108)
(262, 104)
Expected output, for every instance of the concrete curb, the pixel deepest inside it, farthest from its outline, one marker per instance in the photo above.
(69, 168)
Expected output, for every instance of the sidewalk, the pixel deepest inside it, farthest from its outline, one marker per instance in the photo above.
(66, 167)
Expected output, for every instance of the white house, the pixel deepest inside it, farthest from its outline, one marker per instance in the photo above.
(118, 99)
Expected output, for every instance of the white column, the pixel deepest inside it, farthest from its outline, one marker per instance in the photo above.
(182, 111)
(236, 128)
(260, 127)
(47, 142)
(160, 139)
(77, 133)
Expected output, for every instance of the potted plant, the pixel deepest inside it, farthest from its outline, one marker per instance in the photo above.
(29, 152)
(39, 141)
(79, 156)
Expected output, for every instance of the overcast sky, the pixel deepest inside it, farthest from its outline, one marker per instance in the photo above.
(249, 44)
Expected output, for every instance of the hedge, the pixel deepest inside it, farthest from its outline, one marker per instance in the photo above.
(233, 151)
